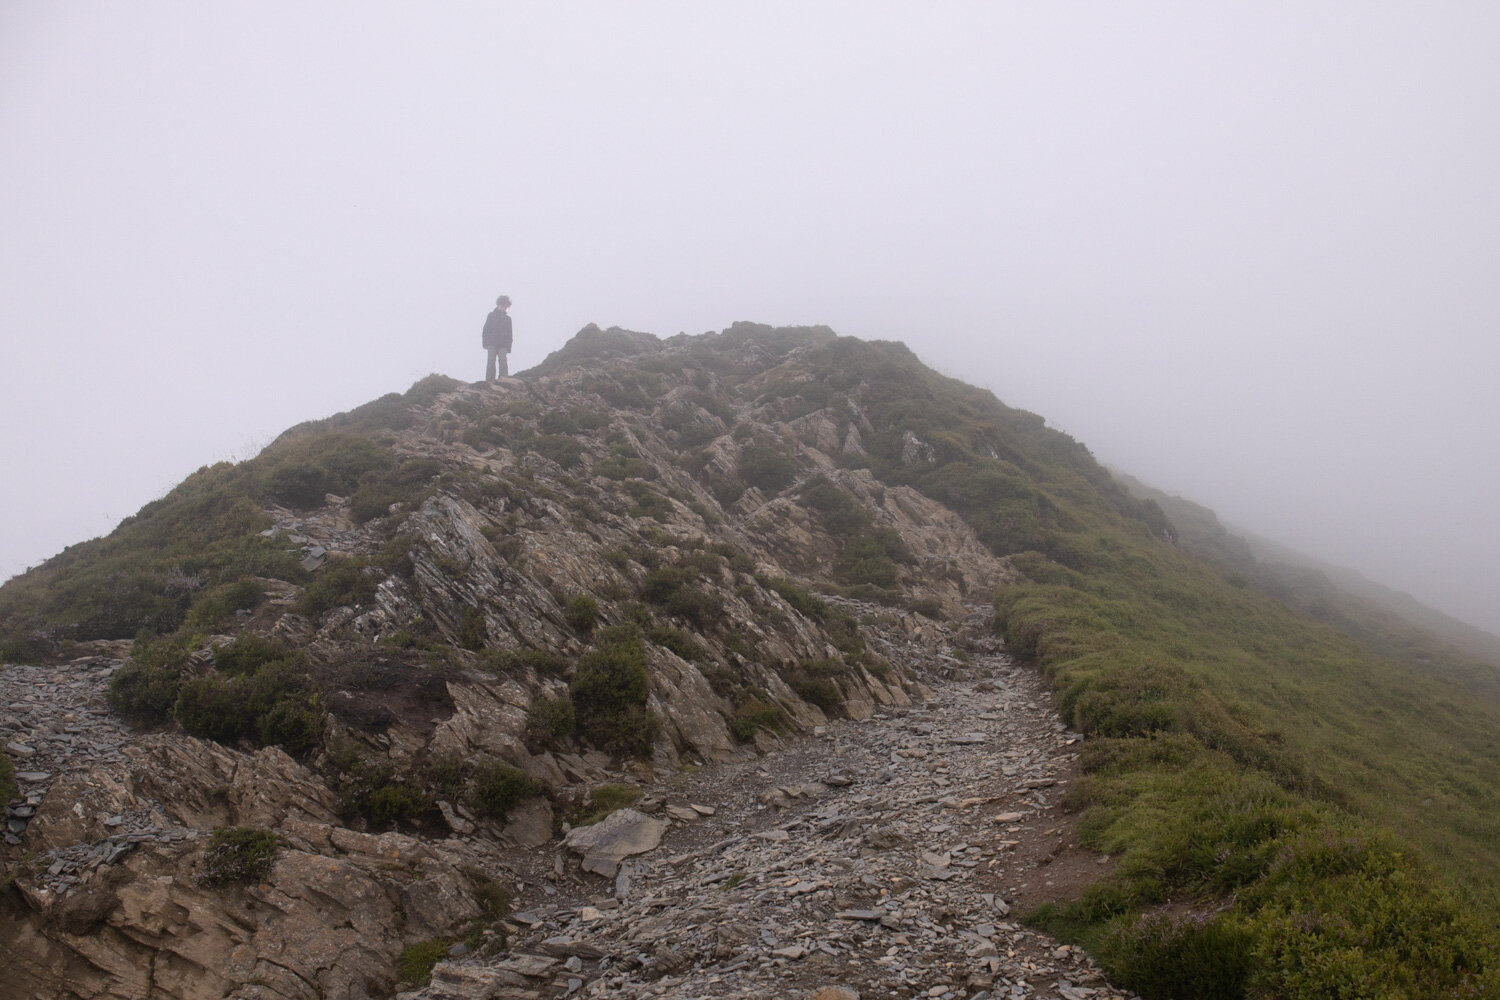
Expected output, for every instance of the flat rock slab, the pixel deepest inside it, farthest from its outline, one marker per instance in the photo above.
(622, 833)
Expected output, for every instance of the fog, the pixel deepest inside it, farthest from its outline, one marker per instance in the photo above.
(1247, 252)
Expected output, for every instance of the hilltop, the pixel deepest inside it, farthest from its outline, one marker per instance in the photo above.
(462, 620)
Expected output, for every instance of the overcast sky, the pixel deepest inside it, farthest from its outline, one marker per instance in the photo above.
(1248, 252)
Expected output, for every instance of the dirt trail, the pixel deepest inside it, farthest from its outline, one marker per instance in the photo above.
(887, 857)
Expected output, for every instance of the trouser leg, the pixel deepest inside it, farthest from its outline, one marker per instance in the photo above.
(489, 366)
(504, 363)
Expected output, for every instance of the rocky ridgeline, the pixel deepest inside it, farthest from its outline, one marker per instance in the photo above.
(840, 793)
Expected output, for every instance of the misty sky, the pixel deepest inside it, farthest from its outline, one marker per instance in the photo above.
(1249, 252)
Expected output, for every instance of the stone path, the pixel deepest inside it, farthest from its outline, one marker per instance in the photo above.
(884, 858)
(56, 724)
(54, 720)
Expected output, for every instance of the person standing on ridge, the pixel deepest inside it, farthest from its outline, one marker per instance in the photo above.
(497, 338)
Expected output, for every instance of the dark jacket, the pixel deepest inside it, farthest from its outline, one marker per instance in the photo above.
(497, 330)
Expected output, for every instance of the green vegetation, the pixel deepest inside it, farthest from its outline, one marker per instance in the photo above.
(753, 716)
(499, 788)
(767, 466)
(581, 612)
(219, 605)
(610, 691)
(602, 801)
(815, 682)
(259, 692)
(147, 573)
(679, 642)
(418, 960)
(340, 583)
(236, 855)
(8, 789)
(677, 591)
(1249, 759)
(373, 791)
(549, 720)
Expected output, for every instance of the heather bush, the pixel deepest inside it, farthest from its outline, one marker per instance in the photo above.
(499, 788)
(610, 692)
(237, 854)
(581, 612)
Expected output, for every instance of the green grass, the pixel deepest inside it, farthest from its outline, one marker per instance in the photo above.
(417, 960)
(602, 801)
(1234, 743)
(8, 788)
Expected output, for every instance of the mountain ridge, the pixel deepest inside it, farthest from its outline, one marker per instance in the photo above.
(459, 613)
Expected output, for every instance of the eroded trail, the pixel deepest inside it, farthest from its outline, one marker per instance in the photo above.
(884, 857)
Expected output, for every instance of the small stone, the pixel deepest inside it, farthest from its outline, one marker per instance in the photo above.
(19, 749)
(774, 836)
(793, 952)
(1010, 817)
(871, 915)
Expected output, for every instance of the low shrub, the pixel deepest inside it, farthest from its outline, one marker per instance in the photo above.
(929, 607)
(144, 694)
(1191, 956)
(472, 631)
(679, 642)
(499, 788)
(418, 960)
(216, 607)
(676, 590)
(767, 466)
(549, 719)
(610, 692)
(216, 708)
(581, 612)
(246, 653)
(820, 692)
(341, 582)
(276, 704)
(237, 854)
(755, 715)
(21, 646)
(602, 801)
(8, 789)
(800, 598)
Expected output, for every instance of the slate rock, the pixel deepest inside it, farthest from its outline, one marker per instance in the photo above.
(619, 835)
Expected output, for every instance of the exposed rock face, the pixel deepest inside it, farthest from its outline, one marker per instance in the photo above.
(723, 520)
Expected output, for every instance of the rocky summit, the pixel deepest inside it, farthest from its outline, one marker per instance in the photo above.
(714, 666)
